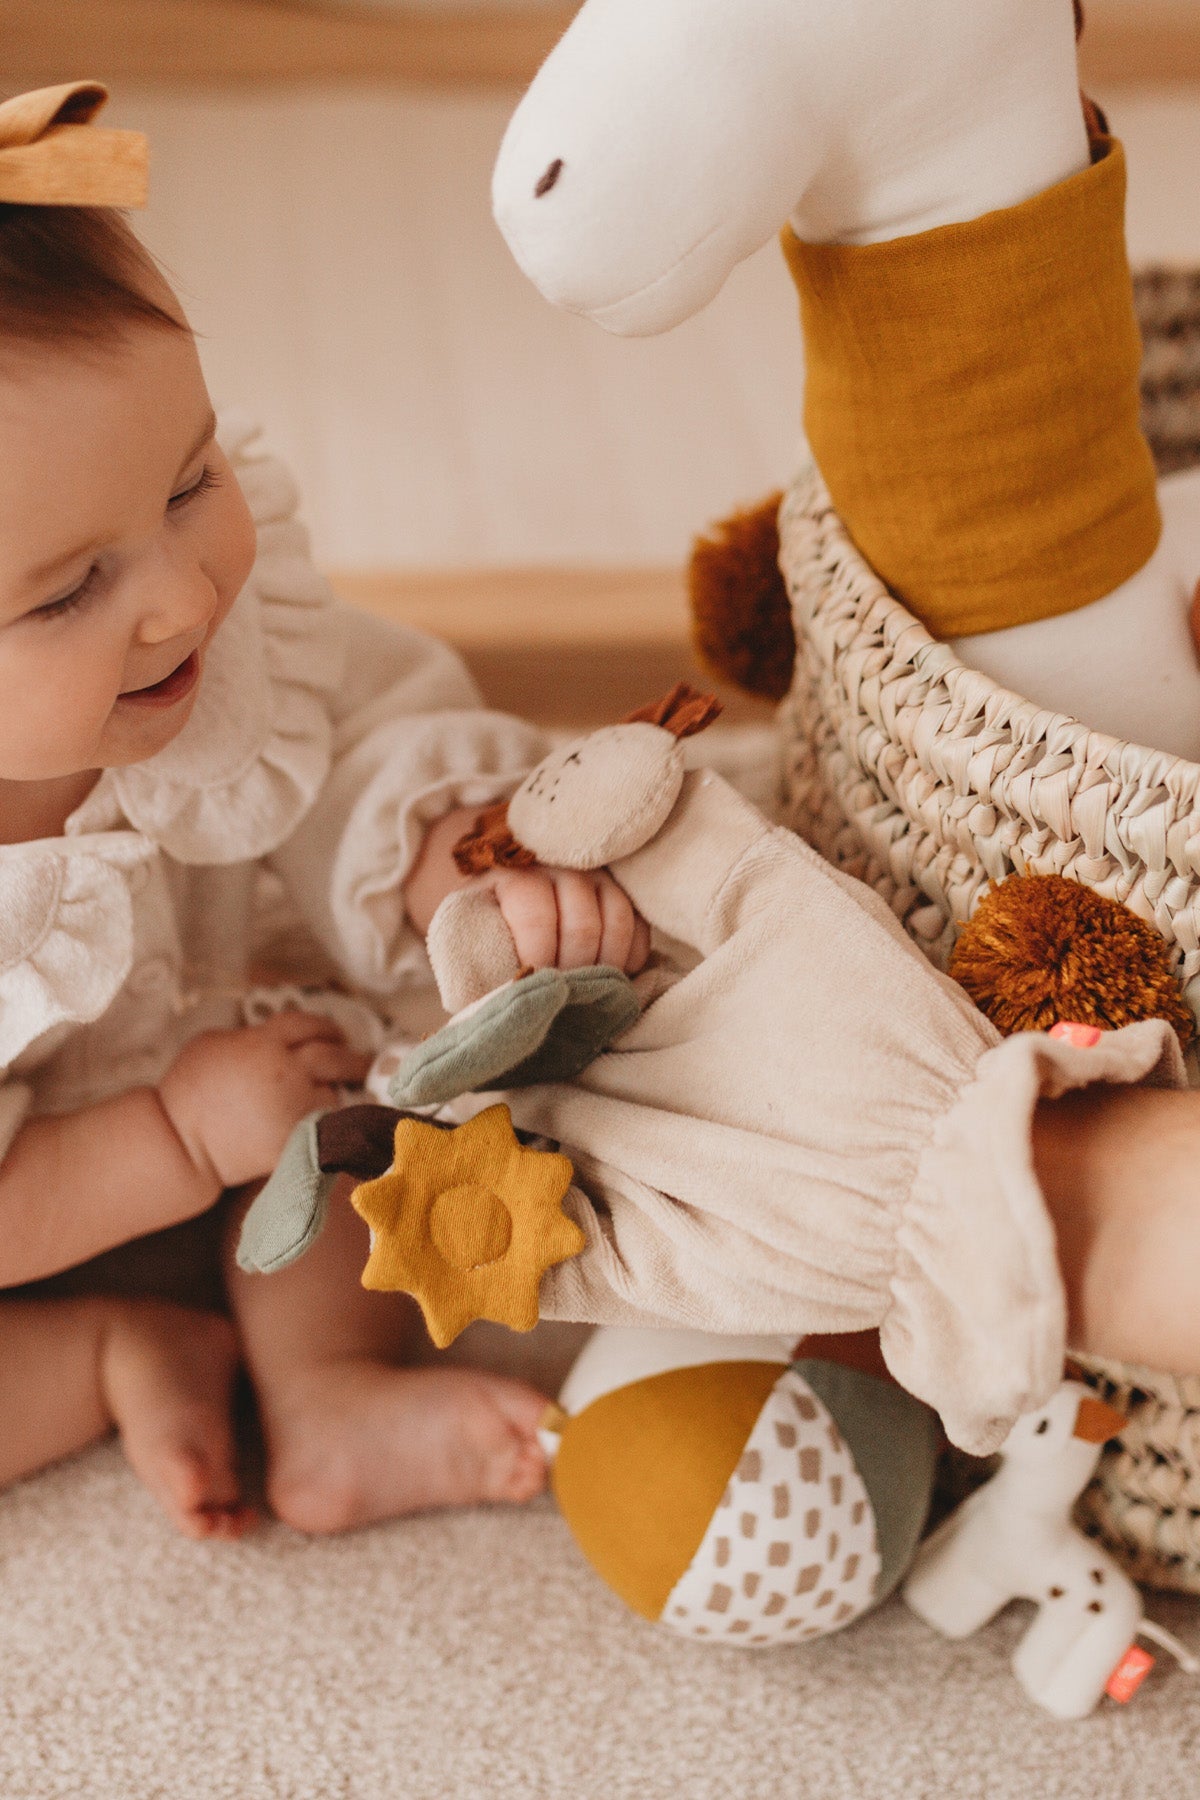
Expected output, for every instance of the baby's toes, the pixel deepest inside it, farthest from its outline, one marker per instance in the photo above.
(514, 1463)
(197, 1485)
(229, 1522)
(518, 1474)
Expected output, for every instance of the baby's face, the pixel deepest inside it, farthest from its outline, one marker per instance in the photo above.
(124, 540)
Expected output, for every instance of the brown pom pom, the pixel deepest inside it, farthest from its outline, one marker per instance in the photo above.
(1041, 950)
(741, 616)
(683, 712)
(491, 845)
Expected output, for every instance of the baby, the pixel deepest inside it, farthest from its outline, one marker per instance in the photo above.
(185, 716)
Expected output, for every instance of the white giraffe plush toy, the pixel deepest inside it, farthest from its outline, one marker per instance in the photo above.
(930, 164)
(1014, 1540)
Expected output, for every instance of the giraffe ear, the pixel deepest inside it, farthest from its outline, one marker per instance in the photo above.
(490, 844)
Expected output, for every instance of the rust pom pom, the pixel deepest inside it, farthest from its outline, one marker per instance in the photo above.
(741, 618)
(1041, 950)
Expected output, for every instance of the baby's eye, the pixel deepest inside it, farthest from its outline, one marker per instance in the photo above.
(67, 603)
(203, 484)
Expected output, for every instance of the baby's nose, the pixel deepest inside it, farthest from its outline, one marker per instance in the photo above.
(182, 603)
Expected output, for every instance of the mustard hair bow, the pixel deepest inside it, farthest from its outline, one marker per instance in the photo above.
(51, 155)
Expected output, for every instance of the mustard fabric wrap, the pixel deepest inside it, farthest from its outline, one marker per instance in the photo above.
(972, 403)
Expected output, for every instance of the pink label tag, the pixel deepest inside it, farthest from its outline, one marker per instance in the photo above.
(1083, 1037)
(1129, 1674)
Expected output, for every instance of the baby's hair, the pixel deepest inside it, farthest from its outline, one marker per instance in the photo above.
(73, 273)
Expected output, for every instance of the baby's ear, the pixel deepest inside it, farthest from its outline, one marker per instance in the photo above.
(683, 712)
(491, 845)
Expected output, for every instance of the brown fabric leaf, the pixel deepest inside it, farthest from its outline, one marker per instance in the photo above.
(683, 712)
(361, 1140)
(357, 1140)
(491, 845)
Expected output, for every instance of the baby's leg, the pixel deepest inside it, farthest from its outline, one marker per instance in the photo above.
(1120, 1169)
(72, 1369)
(352, 1436)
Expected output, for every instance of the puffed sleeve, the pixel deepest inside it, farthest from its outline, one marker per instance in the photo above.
(411, 742)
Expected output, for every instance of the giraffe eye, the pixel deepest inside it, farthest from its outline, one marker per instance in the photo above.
(1043, 1426)
(549, 179)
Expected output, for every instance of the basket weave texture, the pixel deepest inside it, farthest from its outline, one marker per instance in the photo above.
(923, 778)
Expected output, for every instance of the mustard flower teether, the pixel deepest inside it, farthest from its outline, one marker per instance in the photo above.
(467, 1221)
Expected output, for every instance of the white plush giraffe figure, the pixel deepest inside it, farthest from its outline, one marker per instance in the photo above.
(1014, 1540)
(665, 140)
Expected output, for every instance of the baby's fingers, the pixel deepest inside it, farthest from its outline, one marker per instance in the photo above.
(526, 899)
(333, 1064)
(580, 923)
(617, 922)
(639, 953)
(294, 1029)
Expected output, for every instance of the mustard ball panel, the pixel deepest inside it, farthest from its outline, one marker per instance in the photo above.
(640, 1472)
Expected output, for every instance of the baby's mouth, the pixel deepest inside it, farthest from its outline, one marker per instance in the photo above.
(170, 690)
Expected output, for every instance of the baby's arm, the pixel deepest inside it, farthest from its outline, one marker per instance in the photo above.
(416, 758)
(76, 1184)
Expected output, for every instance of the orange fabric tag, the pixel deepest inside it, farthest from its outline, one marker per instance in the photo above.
(1129, 1674)
(1083, 1037)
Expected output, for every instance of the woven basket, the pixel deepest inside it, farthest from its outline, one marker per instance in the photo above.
(926, 780)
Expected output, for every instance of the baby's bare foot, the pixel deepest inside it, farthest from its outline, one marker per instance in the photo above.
(354, 1441)
(167, 1375)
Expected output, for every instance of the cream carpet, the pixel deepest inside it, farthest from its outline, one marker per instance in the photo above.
(474, 1657)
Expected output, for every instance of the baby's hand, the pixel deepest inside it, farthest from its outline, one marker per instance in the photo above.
(561, 918)
(234, 1097)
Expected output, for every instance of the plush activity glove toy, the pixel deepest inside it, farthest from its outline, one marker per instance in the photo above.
(954, 221)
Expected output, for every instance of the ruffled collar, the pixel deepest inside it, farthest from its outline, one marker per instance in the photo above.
(230, 788)
(67, 939)
(249, 762)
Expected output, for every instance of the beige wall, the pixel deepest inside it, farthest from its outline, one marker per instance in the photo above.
(337, 251)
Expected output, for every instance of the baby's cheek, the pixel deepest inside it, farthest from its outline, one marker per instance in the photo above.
(53, 708)
(231, 544)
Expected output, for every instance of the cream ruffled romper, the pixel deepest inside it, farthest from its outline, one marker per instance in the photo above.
(322, 745)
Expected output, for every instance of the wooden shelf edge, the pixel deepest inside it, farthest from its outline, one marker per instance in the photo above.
(559, 646)
(220, 42)
(498, 609)
(207, 42)
(1156, 41)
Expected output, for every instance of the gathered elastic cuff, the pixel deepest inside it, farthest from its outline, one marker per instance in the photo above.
(977, 1323)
